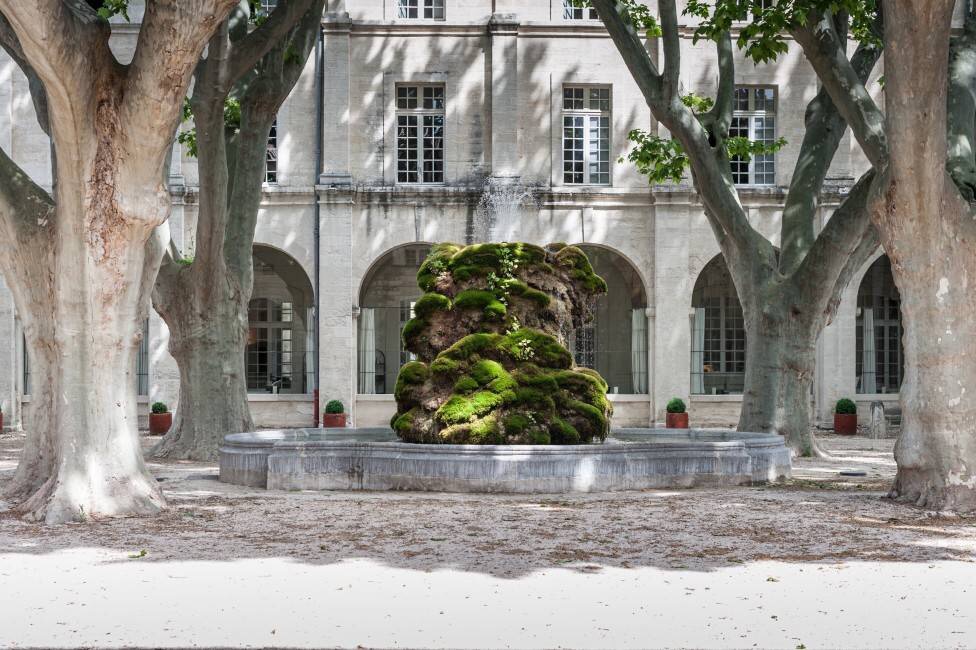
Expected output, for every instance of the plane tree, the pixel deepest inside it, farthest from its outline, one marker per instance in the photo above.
(253, 61)
(79, 258)
(790, 293)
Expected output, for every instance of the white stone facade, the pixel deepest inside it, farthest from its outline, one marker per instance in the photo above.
(503, 66)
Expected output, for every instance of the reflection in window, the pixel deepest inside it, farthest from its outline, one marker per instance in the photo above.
(879, 363)
(718, 345)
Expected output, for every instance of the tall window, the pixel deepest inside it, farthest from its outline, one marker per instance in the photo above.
(718, 346)
(271, 155)
(430, 9)
(267, 6)
(879, 362)
(586, 135)
(754, 117)
(572, 12)
(420, 133)
(269, 345)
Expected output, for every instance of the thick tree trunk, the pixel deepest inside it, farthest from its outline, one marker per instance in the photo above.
(99, 304)
(781, 337)
(207, 339)
(39, 458)
(936, 451)
(929, 234)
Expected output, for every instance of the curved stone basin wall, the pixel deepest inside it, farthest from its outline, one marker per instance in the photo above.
(367, 459)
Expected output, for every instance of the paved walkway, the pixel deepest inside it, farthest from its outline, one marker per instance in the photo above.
(823, 561)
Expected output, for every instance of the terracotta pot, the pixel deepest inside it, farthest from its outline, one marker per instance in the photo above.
(1, 422)
(160, 423)
(845, 423)
(334, 420)
(677, 420)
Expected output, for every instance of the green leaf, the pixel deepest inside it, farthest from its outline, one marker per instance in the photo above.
(111, 8)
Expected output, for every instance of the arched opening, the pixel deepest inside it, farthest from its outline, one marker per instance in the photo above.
(718, 341)
(880, 361)
(280, 339)
(386, 299)
(614, 343)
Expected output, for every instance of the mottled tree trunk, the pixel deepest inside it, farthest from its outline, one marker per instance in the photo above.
(208, 334)
(204, 302)
(780, 364)
(929, 233)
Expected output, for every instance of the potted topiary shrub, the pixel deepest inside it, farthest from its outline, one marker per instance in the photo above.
(845, 417)
(160, 419)
(677, 414)
(335, 415)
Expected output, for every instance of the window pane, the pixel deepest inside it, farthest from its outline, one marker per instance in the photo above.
(407, 138)
(407, 8)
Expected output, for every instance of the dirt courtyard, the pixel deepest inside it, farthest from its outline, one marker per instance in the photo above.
(557, 556)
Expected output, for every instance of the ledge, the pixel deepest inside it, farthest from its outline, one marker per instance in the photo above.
(280, 397)
(715, 398)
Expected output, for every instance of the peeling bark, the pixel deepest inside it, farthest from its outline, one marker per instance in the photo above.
(929, 233)
(82, 265)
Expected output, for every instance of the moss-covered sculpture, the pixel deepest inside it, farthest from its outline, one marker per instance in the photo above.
(490, 335)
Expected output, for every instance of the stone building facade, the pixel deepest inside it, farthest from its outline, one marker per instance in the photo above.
(474, 120)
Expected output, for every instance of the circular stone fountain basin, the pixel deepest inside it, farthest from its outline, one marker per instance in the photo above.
(372, 459)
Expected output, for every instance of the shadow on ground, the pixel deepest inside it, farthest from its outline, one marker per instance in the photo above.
(819, 517)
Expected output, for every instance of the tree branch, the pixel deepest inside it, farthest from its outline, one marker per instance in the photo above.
(825, 127)
(631, 48)
(826, 51)
(671, 78)
(846, 232)
(252, 47)
(171, 39)
(720, 116)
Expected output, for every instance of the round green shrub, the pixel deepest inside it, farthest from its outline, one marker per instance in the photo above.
(676, 405)
(334, 407)
(845, 407)
(159, 407)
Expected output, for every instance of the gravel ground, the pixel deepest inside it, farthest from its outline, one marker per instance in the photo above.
(227, 565)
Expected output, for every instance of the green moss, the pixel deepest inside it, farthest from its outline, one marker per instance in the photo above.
(532, 345)
(465, 385)
(443, 365)
(563, 433)
(516, 424)
(486, 370)
(470, 345)
(539, 437)
(412, 330)
(599, 426)
(483, 300)
(403, 424)
(461, 408)
(430, 303)
(534, 399)
(584, 384)
(411, 375)
(574, 258)
(486, 431)
(537, 297)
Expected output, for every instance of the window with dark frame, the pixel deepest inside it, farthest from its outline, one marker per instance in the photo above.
(586, 135)
(426, 9)
(754, 118)
(420, 133)
(271, 156)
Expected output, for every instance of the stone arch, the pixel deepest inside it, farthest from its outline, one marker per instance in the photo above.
(279, 356)
(616, 342)
(386, 296)
(718, 342)
(879, 358)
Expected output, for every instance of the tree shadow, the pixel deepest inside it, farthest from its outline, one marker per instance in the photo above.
(511, 536)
